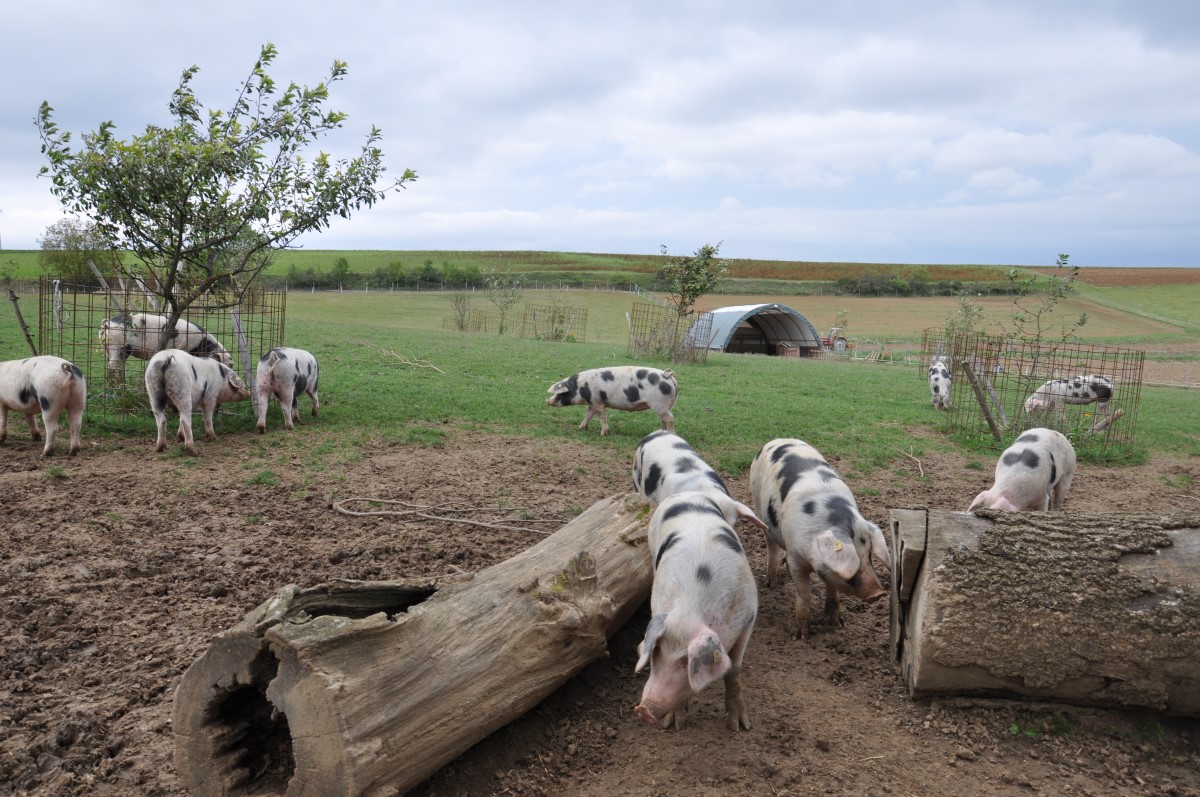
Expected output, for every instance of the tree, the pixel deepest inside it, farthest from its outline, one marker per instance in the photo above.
(503, 290)
(1033, 304)
(67, 246)
(203, 204)
(689, 278)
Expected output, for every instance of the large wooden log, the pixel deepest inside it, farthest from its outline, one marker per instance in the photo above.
(1090, 609)
(368, 688)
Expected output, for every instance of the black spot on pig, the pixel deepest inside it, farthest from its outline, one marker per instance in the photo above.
(827, 474)
(772, 517)
(653, 479)
(671, 539)
(715, 478)
(607, 375)
(633, 394)
(604, 397)
(75, 372)
(1027, 457)
(780, 452)
(44, 403)
(203, 391)
(686, 465)
(27, 396)
(1029, 437)
(703, 574)
(1103, 392)
(1053, 469)
(301, 384)
(641, 373)
(585, 393)
(195, 375)
(652, 378)
(793, 469)
(841, 514)
(652, 436)
(665, 388)
(706, 507)
(729, 539)
(810, 507)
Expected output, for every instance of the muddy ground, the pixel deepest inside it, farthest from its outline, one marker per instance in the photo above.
(118, 566)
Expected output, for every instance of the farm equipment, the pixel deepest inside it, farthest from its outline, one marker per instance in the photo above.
(836, 341)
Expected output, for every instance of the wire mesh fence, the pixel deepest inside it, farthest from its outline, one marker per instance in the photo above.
(560, 322)
(657, 331)
(69, 321)
(1003, 386)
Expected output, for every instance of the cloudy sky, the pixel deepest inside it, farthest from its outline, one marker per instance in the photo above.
(925, 131)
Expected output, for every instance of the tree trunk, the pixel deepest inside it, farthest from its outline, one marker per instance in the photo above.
(352, 688)
(1090, 609)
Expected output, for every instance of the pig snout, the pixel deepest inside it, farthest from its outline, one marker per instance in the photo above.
(867, 587)
(648, 712)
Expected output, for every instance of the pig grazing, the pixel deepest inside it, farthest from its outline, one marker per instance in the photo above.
(1034, 473)
(177, 379)
(286, 373)
(623, 387)
(813, 520)
(666, 465)
(1056, 393)
(137, 335)
(46, 383)
(703, 604)
(939, 383)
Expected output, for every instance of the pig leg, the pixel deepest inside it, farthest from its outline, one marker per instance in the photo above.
(206, 411)
(160, 419)
(1060, 491)
(316, 402)
(775, 555)
(33, 430)
(676, 719)
(185, 425)
(668, 420)
(600, 411)
(587, 417)
(287, 405)
(50, 421)
(801, 570)
(3, 423)
(75, 419)
(833, 607)
(264, 401)
(735, 703)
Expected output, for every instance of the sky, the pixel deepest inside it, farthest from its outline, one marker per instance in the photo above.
(924, 131)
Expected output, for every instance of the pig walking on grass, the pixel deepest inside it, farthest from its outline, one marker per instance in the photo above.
(1034, 474)
(177, 379)
(703, 604)
(939, 383)
(813, 520)
(286, 373)
(49, 384)
(624, 387)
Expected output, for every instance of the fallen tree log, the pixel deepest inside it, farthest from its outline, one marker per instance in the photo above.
(369, 687)
(1090, 609)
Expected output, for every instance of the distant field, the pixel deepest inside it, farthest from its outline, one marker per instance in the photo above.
(1126, 277)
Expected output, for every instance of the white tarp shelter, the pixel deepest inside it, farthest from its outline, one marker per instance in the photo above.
(760, 329)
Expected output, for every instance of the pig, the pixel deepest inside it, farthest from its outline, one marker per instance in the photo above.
(50, 384)
(939, 383)
(1034, 474)
(1056, 393)
(703, 604)
(813, 520)
(665, 465)
(285, 373)
(622, 387)
(137, 335)
(177, 379)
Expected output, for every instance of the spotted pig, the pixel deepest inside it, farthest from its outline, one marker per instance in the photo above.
(1034, 474)
(137, 335)
(623, 387)
(288, 374)
(813, 520)
(50, 384)
(1053, 395)
(939, 383)
(177, 379)
(665, 465)
(703, 604)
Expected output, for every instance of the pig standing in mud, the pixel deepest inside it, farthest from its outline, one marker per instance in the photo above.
(1034, 473)
(623, 387)
(287, 374)
(703, 604)
(46, 383)
(177, 379)
(813, 520)
(665, 465)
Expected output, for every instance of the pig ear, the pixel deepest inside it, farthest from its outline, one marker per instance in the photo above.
(878, 543)
(707, 660)
(646, 647)
(747, 514)
(840, 556)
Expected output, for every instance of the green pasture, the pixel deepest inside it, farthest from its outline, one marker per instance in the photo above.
(391, 373)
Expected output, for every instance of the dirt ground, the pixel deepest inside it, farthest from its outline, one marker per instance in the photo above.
(117, 567)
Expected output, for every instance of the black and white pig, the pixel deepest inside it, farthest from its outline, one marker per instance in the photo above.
(813, 520)
(1034, 473)
(665, 465)
(623, 387)
(703, 604)
(1056, 393)
(46, 383)
(286, 373)
(137, 335)
(939, 383)
(186, 383)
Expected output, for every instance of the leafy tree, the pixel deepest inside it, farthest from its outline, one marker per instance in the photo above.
(69, 244)
(1033, 302)
(340, 272)
(967, 319)
(203, 204)
(504, 291)
(689, 278)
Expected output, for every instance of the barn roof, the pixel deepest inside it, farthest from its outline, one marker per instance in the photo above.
(767, 324)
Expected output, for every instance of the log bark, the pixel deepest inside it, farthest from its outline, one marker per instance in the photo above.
(1089, 609)
(352, 688)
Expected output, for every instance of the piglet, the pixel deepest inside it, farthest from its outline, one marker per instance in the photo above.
(187, 383)
(812, 519)
(50, 384)
(625, 387)
(703, 604)
(286, 373)
(1034, 473)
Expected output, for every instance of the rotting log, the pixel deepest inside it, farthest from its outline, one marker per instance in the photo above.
(352, 688)
(1090, 609)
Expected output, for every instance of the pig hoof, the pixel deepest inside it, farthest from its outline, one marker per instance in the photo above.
(262, 429)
